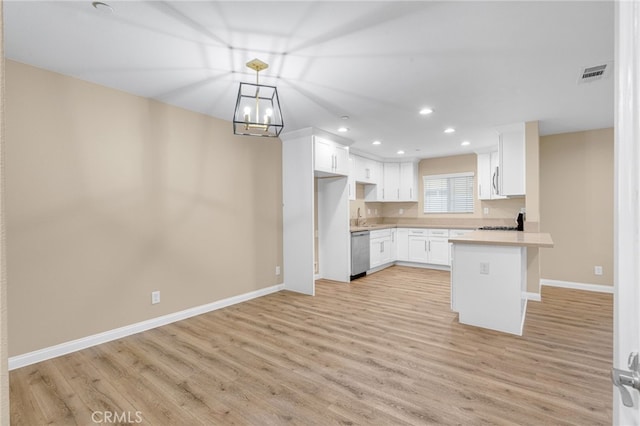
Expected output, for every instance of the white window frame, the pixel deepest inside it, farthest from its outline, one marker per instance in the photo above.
(450, 204)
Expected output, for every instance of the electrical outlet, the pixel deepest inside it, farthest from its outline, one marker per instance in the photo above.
(401, 211)
(597, 270)
(486, 210)
(368, 211)
(277, 270)
(484, 268)
(155, 297)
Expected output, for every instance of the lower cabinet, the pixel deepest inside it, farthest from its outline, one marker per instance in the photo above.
(418, 246)
(402, 244)
(438, 247)
(415, 245)
(380, 248)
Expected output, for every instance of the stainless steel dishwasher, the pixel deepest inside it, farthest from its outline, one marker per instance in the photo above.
(359, 254)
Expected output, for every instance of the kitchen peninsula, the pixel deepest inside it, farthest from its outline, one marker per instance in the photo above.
(489, 277)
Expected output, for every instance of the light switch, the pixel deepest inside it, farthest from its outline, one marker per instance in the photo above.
(484, 268)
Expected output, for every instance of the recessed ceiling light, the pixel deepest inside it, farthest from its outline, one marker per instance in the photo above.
(400, 152)
(465, 143)
(102, 7)
(426, 111)
(345, 117)
(449, 130)
(343, 129)
(376, 143)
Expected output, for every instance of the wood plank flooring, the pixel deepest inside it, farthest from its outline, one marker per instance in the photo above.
(383, 350)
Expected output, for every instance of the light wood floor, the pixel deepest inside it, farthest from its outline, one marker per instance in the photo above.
(383, 350)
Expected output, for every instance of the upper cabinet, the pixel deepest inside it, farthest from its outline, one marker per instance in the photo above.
(488, 171)
(400, 182)
(512, 169)
(330, 158)
(368, 171)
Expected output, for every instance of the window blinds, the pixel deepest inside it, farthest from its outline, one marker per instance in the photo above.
(452, 193)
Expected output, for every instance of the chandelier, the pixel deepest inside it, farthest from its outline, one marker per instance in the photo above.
(257, 108)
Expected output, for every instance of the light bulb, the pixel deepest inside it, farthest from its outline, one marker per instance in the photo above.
(247, 114)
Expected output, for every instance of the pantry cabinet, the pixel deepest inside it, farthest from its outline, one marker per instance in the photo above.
(330, 158)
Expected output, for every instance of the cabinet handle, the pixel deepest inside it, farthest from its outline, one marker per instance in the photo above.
(368, 174)
(425, 246)
(429, 246)
(398, 193)
(411, 193)
(336, 162)
(381, 247)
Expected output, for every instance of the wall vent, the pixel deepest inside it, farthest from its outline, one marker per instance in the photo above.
(593, 73)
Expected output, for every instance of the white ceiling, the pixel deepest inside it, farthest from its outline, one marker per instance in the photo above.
(477, 64)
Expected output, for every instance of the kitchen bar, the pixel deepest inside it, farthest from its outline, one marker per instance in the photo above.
(489, 277)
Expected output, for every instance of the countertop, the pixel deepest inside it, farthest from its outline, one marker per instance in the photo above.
(393, 225)
(506, 238)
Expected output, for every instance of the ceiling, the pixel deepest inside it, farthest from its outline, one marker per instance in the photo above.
(477, 64)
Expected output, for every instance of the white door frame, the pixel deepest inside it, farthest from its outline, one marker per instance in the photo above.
(627, 202)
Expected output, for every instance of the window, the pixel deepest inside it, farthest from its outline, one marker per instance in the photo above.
(451, 193)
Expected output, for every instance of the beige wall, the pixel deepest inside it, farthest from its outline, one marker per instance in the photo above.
(110, 196)
(4, 375)
(576, 205)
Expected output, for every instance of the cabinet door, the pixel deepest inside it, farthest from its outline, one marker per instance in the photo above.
(385, 251)
(375, 253)
(323, 153)
(393, 247)
(484, 177)
(351, 182)
(341, 160)
(511, 174)
(408, 182)
(391, 189)
(495, 172)
(438, 251)
(418, 249)
(402, 244)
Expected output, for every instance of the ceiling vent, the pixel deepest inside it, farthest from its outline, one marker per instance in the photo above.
(596, 72)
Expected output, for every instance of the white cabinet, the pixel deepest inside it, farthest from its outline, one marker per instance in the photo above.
(380, 248)
(438, 250)
(391, 185)
(408, 182)
(330, 158)
(402, 244)
(393, 247)
(351, 182)
(511, 174)
(367, 170)
(418, 245)
(488, 171)
(400, 182)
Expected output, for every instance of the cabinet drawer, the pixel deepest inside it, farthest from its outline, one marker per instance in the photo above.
(413, 231)
(380, 233)
(439, 233)
(459, 232)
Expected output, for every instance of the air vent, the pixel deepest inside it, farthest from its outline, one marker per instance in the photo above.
(597, 72)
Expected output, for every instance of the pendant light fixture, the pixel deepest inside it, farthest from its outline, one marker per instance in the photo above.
(257, 108)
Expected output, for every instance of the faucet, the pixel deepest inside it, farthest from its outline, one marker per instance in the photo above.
(358, 218)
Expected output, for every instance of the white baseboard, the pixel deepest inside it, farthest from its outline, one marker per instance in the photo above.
(533, 296)
(118, 333)
(577, 286)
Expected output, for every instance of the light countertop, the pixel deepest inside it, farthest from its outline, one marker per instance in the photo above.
(393, 225)
(506, 238)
